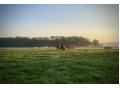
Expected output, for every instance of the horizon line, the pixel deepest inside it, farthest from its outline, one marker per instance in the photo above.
(54, 36)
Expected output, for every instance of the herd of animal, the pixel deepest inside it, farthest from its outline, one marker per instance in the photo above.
(58, 46)
(64, 46)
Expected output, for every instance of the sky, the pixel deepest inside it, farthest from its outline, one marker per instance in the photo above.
(93, 21)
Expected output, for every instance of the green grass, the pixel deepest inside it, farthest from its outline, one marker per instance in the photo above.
(50, 66)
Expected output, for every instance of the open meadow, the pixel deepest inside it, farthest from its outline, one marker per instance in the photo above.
(52, 66)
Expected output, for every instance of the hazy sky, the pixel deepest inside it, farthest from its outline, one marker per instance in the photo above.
(91, 21)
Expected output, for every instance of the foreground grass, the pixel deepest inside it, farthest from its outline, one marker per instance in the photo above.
(29, 65)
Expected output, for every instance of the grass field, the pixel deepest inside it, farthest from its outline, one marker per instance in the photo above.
(50, 66)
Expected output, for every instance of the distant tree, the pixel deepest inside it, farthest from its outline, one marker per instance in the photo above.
(46, 41)
(52, 37)
(96, 42)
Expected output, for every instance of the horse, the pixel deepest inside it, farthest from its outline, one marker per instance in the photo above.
(60, 47)
(69, 47)
(63, 47)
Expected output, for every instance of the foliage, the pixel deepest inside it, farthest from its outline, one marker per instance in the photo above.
(44, 41)
(96, 42)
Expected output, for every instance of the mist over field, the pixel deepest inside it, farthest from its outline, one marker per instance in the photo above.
(59, 44)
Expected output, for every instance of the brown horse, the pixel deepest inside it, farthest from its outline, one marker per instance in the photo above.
(63, 47)
(69, 47)
(60, 47)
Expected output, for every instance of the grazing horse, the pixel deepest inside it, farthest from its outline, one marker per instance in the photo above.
(60, 47)
(63, 47)
(69, 47)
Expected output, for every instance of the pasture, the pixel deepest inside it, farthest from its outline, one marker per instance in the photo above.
(52, 66)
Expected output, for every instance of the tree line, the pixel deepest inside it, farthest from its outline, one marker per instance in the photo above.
(77, 41)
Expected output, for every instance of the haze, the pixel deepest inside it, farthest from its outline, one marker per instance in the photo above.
(40, 20)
